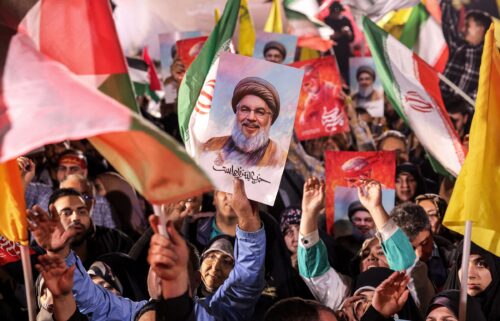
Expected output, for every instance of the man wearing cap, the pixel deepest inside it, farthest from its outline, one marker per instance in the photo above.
(365, 75)
(256, 104)
(274, 52)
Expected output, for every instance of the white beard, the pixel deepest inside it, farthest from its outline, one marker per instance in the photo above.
(251, 144)
(365, 92)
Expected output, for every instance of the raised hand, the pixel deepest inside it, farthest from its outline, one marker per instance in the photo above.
(27, 168)
(175, 212)
(58, 277)
(247, 211)
(168, 257)
(313, 199)
(391, 295)
(370, 194)
(48, 230)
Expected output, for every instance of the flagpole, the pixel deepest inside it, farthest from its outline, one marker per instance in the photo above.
(457, 90)
(28, 281)
(465, 271)
(162, 226)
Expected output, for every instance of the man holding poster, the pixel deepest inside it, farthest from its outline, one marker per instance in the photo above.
(250, 125)
(256, 104)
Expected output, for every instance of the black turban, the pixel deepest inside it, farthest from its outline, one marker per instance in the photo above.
(275, 45)
(260, 88)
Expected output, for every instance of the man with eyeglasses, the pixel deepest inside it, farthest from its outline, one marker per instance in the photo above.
(90, 241)
(256, 104)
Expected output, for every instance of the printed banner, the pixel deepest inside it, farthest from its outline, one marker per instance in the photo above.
(320, 111)
(275, 47)
(344, 172)
(365, 86)
(250, 125)
(188, 49)
(168, 50)
(10, 251)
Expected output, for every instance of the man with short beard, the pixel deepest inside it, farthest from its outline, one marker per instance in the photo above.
(90, 241)
(256, 104)
(365, 75)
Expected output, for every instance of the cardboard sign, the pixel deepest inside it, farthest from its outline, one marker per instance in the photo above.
(320, 111)
(366, 89)
(344, 172)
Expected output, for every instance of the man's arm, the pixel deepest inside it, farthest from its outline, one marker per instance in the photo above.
(328, 286)
(238, 295)
(449, 22)
(90, 298)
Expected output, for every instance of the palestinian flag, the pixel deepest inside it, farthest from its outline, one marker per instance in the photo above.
(63, 76)
(423, 34)
(413, 89)
(138, 70)
(197, 87)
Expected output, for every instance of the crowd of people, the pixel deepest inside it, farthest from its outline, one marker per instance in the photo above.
(98, 252)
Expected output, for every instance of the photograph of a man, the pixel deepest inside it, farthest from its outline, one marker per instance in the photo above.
(256, 105)
(274, 51)
(365, 77)
(275, 47)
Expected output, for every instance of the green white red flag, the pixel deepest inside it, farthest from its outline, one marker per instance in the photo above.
(424, 35)
(412, 86)
(63, 76)
(197, 87)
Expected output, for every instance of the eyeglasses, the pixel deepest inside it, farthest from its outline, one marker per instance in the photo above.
(259, 112)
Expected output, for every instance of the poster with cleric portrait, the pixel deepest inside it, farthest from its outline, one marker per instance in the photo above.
(250, 125)
(344, 172)
(275, 47)
(320, 111)
(366, 89)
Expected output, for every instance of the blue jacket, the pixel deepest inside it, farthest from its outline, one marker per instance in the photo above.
(235, 300)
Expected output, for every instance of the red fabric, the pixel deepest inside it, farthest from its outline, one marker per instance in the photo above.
(90, 45)
(154, 82)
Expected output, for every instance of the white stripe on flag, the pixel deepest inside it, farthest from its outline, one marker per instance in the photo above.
(426, 121)
(431, 43)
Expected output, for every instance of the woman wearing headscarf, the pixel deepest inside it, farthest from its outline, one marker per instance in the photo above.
(445, 306)
(484, 280)
(409, 183)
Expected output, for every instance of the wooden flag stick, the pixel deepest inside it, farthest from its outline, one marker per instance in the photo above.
(465, 271)
(28, 281)
(457, 90)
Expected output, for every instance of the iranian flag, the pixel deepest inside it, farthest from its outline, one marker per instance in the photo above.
(413, 89)
(423, 34)
(197, 87)
(63, 76)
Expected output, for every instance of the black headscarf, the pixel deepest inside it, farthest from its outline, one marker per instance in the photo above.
(451, 299)
(415, 172)
(374, 277)
(490, 297)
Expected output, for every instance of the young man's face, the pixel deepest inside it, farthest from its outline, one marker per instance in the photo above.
(66, 168)
(253, 115)
(274, 55)
(74, 215)
(215, 269)
(459, 120)
(474, 32)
